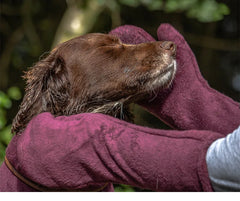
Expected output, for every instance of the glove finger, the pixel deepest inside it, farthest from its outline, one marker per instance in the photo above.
(188, 71)
(132, 34)
(166, 32)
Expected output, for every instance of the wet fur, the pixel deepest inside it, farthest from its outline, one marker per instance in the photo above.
(94, 73)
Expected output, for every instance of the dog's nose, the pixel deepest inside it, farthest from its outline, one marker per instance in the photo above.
(170, 46)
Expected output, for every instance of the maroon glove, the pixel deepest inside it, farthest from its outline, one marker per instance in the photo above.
(88, 151)
(190, 103)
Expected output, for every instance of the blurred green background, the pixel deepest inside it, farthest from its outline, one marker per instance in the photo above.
(28, 28)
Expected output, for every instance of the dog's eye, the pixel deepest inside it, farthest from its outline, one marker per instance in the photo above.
(110, 42)
(116, 40)
(113, 40)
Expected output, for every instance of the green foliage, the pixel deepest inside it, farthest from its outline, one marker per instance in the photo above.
(202, 10)
(176, 5)
(133, 3)
(123, 188)
(208, 10)
(13, 93)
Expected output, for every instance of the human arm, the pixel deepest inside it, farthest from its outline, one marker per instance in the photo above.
(190, 103)
(223, 162)
(88, 150)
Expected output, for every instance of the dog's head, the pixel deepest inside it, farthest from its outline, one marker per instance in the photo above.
(95, 73)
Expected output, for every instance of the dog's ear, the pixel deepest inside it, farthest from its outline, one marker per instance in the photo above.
(55, 88)
(47, 91)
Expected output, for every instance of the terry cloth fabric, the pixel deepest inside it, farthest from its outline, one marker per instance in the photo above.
(85, 151)
(190, 103)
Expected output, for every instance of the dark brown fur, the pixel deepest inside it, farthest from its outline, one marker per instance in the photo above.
(94, 73)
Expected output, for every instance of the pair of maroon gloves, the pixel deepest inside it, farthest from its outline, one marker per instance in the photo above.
(89, 152)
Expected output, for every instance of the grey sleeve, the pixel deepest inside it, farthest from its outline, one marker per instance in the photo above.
(223, 162)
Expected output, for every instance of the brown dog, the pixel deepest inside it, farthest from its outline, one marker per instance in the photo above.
(95, 73)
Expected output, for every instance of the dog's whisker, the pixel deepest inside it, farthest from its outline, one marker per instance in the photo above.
(153, 93)
(91, 73)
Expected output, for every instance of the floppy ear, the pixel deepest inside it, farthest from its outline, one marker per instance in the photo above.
(47, 91)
